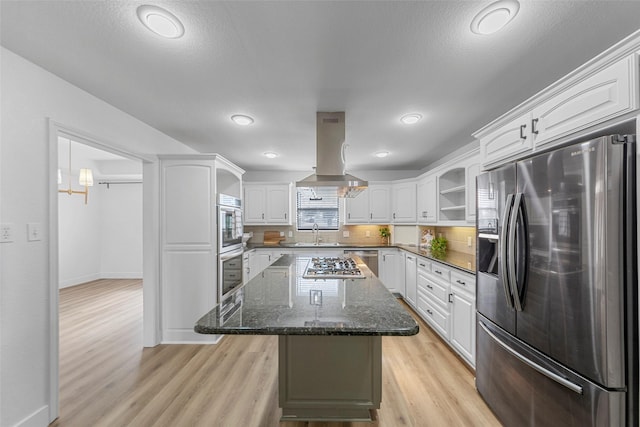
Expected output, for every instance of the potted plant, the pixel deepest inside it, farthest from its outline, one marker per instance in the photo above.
(439, 247)
(385, 234)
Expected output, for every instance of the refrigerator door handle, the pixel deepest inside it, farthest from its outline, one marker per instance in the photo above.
(511, 252)
(504, 247)
(544, 371)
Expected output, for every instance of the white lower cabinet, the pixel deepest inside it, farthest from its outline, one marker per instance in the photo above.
(410, 279)
(446, 301)
(259, 259)
(463, 315)
(389, 268)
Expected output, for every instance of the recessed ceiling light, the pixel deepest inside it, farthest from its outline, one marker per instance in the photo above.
(382, 154)
(409, 119)
(271, 154)
(160, 21)
(242, 120)
(494, 17)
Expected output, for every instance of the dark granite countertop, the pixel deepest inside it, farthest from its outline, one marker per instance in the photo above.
(461, 261)
(277, 302)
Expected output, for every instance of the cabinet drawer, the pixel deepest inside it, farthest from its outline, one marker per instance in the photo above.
(231, 275)
(433, 289)
(438, 320)
(423, 265)
(440, 272)
(463, 281)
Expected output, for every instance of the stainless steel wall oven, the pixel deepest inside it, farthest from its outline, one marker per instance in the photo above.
(229, 248)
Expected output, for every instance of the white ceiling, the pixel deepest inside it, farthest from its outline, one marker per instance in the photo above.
(280, 62)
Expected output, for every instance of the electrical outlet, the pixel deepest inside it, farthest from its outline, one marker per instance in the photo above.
(33, 232)
(469, 241)
(282, 234)
(290, 233)
(367, 233)
(345, 234)
(6, 233)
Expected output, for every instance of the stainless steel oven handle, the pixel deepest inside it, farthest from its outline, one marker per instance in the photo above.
(224, 256)
(504, 250)
(544, 371)
(511, 252)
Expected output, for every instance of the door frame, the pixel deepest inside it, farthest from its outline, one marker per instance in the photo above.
(151, 249)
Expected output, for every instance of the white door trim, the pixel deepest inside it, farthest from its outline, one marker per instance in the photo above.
(151, 248)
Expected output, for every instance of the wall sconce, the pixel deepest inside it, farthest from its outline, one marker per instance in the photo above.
(85, 179)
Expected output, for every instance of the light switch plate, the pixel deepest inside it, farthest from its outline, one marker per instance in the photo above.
(469, 241)
(290, 233)
(33, 231)
(345, 234)
(282, 234)
(6, 233)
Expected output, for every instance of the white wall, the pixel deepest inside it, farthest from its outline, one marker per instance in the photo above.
(31, 95)
(102, 239)
(121, 255)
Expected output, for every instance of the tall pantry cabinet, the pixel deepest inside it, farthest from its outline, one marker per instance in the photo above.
(188, 238)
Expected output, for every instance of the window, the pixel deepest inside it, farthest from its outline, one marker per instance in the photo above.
(319, 206)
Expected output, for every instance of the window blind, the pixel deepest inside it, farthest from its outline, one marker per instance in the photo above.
(319, 206)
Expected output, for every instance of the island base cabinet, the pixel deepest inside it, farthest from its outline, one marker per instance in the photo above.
(329, 378)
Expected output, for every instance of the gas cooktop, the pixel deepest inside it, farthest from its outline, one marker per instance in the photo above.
(332, 268)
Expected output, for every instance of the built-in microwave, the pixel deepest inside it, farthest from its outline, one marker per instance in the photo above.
(229, 223)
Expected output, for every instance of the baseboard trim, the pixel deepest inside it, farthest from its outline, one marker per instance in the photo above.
(187, 336)
(38, 418)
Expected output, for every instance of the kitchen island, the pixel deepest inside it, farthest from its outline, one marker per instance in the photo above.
(330, 336)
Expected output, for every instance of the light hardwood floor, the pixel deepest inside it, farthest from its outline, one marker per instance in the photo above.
(108, 379)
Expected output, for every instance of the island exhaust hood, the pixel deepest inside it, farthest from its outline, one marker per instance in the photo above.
(330, 158)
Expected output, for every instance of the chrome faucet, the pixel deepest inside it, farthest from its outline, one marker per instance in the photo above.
(315, 229)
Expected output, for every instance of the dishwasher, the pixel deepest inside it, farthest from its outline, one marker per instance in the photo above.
(369, 257)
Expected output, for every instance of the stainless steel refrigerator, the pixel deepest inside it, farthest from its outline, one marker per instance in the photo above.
(557, 297)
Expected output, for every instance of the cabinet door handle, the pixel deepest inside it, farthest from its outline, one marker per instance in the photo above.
(349, 215)
(384, 258)
(522, 135)
(394, 215)
(422, 265)
(438, 272)
(430, 312)
(262, 216)
(461, 282)
(285, 215)
(534, 122)
(430, 287)
(450, 298)
(370, 216)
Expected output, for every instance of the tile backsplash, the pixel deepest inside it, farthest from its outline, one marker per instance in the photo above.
(459, 239)
(358, 234)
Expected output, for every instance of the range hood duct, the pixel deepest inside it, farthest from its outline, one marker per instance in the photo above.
(330, 158)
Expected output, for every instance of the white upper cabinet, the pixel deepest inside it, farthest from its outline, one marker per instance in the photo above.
(473, 170)
(507, 141)
(380, 204)
(594, 100)
(452, 187)
(370, 206)
(601, 90)
(427, 200)
(278, 205)
(266, 204)
(254, 204)
(403, 203)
